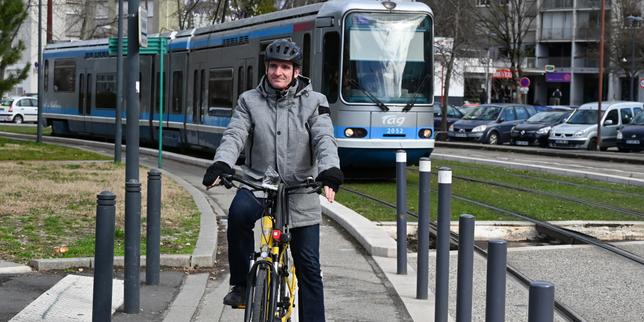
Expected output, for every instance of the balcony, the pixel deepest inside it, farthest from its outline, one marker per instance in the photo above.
(556, 34)
(557, 61)
(592, 4)
(557, 4)
(587, 33)
(586, 62)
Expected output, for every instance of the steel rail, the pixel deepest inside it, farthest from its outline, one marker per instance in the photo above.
(557, 196)
(563, 310)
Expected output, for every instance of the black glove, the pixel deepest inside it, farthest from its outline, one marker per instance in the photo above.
(331, 178)
(215, 171)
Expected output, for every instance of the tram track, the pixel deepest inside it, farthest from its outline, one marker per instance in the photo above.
(561, 308)
(624, 211)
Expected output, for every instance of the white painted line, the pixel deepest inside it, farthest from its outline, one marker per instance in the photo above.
(69, 300)
(586, 174)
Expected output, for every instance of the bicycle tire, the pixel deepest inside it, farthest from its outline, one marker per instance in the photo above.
(258, 309)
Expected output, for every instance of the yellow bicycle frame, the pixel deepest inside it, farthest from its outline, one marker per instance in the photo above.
(267, 243)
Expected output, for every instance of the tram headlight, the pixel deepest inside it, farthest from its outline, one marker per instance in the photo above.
(355, 132)
(425, 133)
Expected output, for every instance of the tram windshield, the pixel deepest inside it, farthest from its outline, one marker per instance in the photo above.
(387, 57)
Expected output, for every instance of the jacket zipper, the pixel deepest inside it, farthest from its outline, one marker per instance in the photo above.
(308, 129)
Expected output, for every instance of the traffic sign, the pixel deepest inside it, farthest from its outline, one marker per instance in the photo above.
(524, 82)
(641, 82)
(156, 45)
(549, 68)
(143, 27)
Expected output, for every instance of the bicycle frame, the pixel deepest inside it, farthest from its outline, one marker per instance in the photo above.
(272, 259)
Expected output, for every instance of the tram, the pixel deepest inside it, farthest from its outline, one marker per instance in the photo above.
(373, 60)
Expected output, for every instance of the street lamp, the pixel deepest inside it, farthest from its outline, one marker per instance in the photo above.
(633, 19)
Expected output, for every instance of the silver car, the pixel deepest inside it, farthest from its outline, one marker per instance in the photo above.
(580, 130)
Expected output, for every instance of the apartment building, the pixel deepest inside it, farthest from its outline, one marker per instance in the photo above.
(564, 46)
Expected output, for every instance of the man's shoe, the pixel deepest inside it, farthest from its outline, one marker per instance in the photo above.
(236, 297)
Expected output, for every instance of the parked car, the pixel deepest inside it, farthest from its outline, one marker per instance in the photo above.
(631, 136)
(453, 115)
(536, 129)
(19, 109)
(580, 129)
(490, 123)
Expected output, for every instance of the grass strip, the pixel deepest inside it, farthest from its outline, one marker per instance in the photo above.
(534, 205)
(22, 129)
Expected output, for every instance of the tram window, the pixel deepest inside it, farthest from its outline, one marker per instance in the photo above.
(249, 77)
(240, 80)
(46, 76)
(202, 96)
(331, 65)
(220, 90)
(81, 93)
(106, 90)
(306, 62)
(177, 91)
(88, 104)
(64, 75)
(195, 95)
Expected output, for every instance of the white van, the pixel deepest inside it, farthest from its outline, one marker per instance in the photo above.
(580, 130)
(19, 109)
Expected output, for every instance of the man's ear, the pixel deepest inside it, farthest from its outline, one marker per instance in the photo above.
(296, 72)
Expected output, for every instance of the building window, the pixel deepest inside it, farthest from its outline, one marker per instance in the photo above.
(220, 89)
(482, 3)
(106, 90)
(64, 75)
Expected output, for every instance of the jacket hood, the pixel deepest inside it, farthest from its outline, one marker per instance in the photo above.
(302, 85)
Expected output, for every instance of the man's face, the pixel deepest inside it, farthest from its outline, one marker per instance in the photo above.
(281, 73)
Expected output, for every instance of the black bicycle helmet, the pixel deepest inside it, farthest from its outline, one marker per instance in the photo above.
(285, 50)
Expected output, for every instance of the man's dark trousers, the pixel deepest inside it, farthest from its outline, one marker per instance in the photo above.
(244, 211)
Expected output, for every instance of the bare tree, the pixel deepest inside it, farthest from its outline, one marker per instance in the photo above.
(507, 23)
(624, 31)
(453, 20)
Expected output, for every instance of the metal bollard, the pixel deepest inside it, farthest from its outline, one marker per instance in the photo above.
(104, 257)
(541, 303)
(401, 212)
(131, 297)
(153, 228)
(497, 254)
(442, 244)
(422, 271)
(465, 268)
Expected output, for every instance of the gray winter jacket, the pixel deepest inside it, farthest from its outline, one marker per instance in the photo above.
(291, 132)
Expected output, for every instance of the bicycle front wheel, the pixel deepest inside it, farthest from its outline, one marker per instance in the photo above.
(258, 310)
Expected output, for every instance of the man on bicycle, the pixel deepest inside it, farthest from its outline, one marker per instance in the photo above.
(285, 125)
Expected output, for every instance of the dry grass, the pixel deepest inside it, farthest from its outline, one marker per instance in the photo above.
(46, 204)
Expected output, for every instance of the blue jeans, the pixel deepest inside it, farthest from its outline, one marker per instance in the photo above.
(244, 211)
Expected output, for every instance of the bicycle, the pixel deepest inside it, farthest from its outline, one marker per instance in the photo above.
(271, 281)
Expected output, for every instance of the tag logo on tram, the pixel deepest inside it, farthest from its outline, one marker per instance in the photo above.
(393, 120)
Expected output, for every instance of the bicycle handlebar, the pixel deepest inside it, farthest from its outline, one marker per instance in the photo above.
(227, 180)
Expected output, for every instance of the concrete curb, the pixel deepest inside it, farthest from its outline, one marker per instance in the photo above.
(205, 252)
(48, 264)
(372, 237)
(185, 305)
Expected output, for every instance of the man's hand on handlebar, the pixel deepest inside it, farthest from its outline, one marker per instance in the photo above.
(214, 172)
(329, 193)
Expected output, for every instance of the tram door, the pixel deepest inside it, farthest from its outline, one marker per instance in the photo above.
(85, 91)
(245, 76)
(197, 105)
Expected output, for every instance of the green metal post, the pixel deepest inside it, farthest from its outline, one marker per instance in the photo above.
(162, 67)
